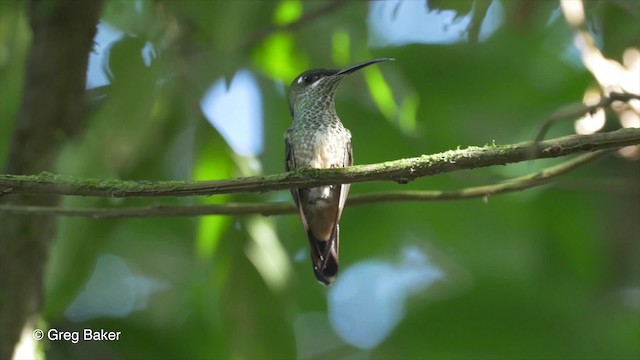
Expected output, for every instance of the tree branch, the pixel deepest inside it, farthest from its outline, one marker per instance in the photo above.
(569, 111)
(308, 17)
(282, 208)
(401, 171)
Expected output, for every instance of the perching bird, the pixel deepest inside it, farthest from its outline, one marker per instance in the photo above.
(317, 139)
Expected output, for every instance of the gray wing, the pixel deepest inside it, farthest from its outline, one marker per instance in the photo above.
(290, 165)
(344, 191)
(289, 159)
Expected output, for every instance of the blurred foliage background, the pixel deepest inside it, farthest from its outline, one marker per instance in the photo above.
(197, 90)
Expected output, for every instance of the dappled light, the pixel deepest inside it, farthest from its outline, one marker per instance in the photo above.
(243, 131)
(590, 123)
(267, 254)
(395, 23)
(96, 74)
(152, 194)
(612, 75)
(113, 291)
(369, 300)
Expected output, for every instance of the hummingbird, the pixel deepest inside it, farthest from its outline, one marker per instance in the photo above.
(318, 140)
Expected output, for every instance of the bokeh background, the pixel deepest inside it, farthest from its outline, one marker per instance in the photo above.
(197, 90)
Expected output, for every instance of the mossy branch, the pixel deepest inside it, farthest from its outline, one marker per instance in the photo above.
(401, 171)
(537, 178)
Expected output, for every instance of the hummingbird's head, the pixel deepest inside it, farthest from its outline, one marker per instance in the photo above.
(313, 90)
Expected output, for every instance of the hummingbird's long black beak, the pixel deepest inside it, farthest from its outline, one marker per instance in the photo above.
(357, 67)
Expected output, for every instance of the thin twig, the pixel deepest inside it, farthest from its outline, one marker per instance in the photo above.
(577, 109)
(327, 8)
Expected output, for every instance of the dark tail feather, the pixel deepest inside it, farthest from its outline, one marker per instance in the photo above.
(324, 257)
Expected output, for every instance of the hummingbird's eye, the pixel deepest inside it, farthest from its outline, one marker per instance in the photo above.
(307, 79)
